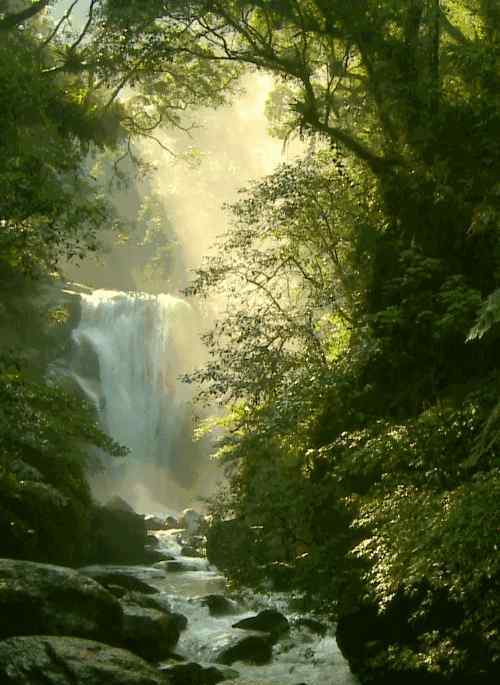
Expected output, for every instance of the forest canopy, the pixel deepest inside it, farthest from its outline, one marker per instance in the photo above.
(357, 355)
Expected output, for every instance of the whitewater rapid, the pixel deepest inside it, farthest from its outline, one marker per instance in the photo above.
(302, 657)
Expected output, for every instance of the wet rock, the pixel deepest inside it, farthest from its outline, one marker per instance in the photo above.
(312, 624)
(44, 599)
(118, 536)
(117, 503)
(123, 576)
(153, 556)
(218, 605)
(152, 540)
(154, 523)
(43, 660)
(116, 590)
(255, 648)
(191, 551)
(171, 523)
(146, 601)
(191, 520)
(193, 674)
(267, 621)
(180, 621)
(149, 632)
(176, 566)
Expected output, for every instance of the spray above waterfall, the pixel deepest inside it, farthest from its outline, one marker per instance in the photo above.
(131, 348)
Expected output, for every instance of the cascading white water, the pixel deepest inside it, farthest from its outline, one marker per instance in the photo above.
(130, 349)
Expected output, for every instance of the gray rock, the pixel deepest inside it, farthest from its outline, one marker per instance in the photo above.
(191, 520)
(149, 632)
(153, 556)
(268, 621)
(118, 537)
(180, 621)
(117, 503)
(176, 566)
(45, 599)
(171, 523)
(146, 601)
(193, 674)
(256, 648)
(40, 660)
(127, 577)
(218, 605)
(152, 540)
(154, 523)
(312, 624)
(191, 551)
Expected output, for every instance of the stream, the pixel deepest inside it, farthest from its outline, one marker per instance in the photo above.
(299, 657)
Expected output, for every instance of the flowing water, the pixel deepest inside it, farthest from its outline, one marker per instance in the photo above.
(129, 350)
(301, 657)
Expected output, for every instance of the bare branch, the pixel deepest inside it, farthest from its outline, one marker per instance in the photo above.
(61, 21)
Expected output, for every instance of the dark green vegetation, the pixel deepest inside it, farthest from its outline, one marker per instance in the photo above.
(67, 159)
(359, 350)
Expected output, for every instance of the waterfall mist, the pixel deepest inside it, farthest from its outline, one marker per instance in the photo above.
(141, 343)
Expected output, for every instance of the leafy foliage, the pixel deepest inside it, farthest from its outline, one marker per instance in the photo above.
(46, 438)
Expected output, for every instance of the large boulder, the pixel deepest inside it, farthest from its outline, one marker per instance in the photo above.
(193, 674)
(149, 632)
(40, 660)
(171, 523)
(267, 621)
(312, 624)
(127, 577)
(218, 605)
(118, 536)
(255, 648)
(176, 566)
(44, 599)
(155, 523)
(157, 601)
(117, 503)
(191, 520)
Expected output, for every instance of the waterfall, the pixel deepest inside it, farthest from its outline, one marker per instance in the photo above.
(129, 350)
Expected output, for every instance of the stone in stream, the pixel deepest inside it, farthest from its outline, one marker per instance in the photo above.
(193, 674)
(267, 621)
(171, 523)
(149, 632)
(154, 523)
(191, 551)
(45, 599)
(117, 503)
(312, 624)
(176, 566)
(41, 660)
(146, 601)
(153, 556)
(256, 648)
(218, 605)
(191, 520)
(124, 576)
